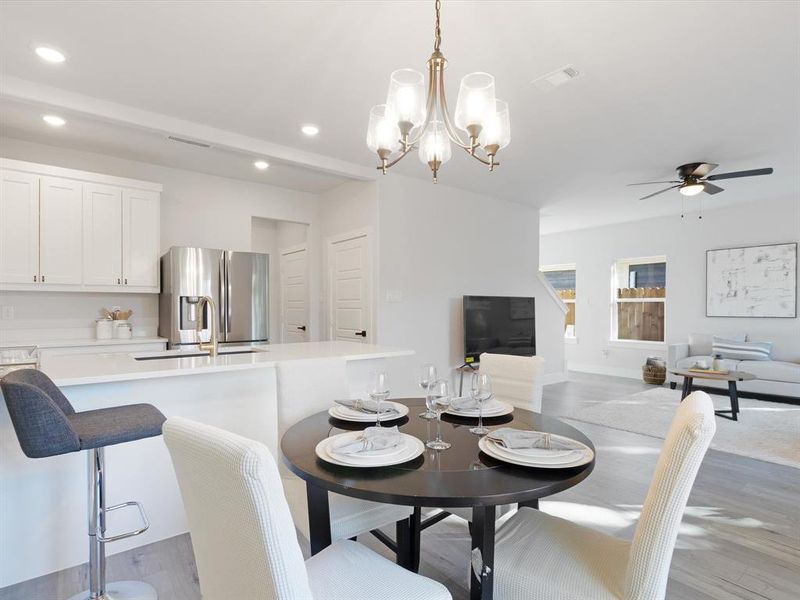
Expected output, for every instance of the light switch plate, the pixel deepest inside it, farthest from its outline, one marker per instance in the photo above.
(394, 295)
(7, 313)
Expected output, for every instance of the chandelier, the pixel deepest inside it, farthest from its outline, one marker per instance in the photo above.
(412, 119)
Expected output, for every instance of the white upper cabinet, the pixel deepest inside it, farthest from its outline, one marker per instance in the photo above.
(60, 231)
(102, 245)
(140, 238)
(67, 230)
(19, 227)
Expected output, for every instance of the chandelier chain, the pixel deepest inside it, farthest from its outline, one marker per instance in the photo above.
(438, 30)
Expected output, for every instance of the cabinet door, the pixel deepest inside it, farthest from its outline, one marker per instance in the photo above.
(102, 235)
(60, 231)
(19, 227)
(140, 238)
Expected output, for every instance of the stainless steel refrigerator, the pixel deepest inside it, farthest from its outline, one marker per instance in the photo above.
(237, 281)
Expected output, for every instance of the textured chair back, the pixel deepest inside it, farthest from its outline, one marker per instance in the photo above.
(39, 412)
(515, 379)
(244, 541)
(654, 540)
(306, 387)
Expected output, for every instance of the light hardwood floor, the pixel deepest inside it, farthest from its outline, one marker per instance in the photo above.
(740, 537)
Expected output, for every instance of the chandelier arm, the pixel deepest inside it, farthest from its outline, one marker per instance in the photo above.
(446, 116)
(412, 147)
(428, 106)
(479, 159)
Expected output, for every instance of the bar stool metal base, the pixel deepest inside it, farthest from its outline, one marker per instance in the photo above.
(122, 590)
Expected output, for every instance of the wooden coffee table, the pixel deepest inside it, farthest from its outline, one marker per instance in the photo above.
(731, 377)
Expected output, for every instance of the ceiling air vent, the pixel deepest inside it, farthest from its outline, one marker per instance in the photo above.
(173, 138)
(556, 78)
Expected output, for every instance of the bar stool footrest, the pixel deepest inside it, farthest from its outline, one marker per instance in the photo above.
(122, 536)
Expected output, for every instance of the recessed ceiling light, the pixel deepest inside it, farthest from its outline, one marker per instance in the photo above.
(261, 165)
(50, 54)
(54, 120)
(310, 130)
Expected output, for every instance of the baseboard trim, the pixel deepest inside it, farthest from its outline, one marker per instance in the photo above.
(557, 377)
(603, 370)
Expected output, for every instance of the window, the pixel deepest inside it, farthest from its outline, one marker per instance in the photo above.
(640, 292)
(562, 278)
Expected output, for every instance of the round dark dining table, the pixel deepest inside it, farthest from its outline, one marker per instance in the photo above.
(461, 476)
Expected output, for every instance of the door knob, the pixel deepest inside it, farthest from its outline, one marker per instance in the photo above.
(362, 333)
(302, 328)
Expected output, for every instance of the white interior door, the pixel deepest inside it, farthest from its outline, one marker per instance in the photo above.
(61, 232)
(19, 227)
(349, 280)
(294, 294)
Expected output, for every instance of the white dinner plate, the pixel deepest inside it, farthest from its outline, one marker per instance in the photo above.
(497, 408)
(412, 449)
(348, 414)
(489, 447)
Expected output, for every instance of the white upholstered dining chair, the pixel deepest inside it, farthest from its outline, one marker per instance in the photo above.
(242, 535)
(540, 557)
(518, 381)
(515, 379)
(301, 396)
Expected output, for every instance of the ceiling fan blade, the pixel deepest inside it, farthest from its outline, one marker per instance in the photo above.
(652, 182)
(710, 188)
(661, 192)
(703, 169)
(750, 173)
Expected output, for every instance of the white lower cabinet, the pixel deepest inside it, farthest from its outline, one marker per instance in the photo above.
(66, 230)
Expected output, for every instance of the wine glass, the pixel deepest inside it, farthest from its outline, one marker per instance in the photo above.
(427, 377)
(440, 392)
(480, 390)
(379, 391)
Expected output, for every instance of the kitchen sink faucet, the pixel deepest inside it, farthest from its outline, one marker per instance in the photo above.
(211, 344)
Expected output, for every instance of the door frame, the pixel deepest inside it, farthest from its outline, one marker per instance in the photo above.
(368, 235)
(281, 316)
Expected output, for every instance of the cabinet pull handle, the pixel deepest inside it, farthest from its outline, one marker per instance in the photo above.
(42, 278)
(126, 281)
(34, 279)
(118, 281)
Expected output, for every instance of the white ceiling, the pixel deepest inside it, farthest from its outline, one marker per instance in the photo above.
(663, 83)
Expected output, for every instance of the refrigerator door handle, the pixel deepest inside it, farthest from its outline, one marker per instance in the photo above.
(223, 295)
(227, 295)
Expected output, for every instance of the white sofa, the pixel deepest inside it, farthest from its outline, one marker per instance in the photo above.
(779, 376)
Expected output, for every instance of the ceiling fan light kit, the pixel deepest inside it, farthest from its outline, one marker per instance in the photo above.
(416, 119)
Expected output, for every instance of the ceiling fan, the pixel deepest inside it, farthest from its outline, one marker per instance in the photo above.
(695, 178)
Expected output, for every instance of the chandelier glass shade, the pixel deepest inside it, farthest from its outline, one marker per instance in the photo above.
(416, 118)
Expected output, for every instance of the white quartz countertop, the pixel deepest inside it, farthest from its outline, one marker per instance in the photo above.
(71, 343)
(83, 369)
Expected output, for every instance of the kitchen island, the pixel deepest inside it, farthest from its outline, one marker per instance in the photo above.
(43, 501)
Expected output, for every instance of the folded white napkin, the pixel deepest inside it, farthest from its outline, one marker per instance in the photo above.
(469, 403)
(368, 406)
(519, 439)
(372, 438)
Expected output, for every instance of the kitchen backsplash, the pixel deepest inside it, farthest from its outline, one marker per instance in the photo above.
(50, 316)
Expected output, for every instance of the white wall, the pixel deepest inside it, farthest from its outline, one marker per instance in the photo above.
(684, 242)
(439, 243)
(196, 209)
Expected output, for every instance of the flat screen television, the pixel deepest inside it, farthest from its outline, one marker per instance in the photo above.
(498, 325)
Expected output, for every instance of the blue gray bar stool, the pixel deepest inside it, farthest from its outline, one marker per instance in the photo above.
(47, 425)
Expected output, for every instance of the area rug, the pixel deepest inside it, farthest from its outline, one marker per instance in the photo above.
(767, 431)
